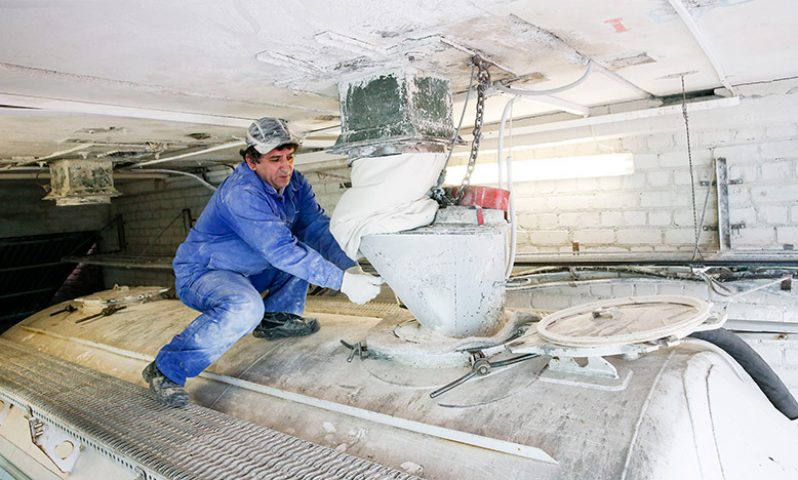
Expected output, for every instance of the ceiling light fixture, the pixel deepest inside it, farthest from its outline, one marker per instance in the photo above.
(606, 165)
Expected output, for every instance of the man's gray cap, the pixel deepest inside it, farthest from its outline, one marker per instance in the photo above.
(266, 134)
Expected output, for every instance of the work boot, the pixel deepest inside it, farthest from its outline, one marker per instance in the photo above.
(276, 325)
(166, 391)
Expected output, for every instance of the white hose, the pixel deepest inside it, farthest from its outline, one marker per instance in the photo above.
(508, 186)
(551, 91)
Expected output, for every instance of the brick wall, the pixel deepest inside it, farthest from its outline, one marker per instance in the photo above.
(23, 212)
(650, 210)
(155, 225)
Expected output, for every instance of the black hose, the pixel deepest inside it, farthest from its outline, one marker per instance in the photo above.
(759, 370)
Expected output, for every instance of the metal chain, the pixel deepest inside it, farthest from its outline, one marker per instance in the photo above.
(438, 193)
(690, 162)
(483, 82)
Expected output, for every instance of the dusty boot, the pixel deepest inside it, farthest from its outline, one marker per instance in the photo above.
(166, 391)
(277, 325)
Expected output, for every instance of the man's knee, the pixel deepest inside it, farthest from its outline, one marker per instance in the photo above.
(243, 311)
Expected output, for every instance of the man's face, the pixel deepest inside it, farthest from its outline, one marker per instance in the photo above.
(275, 167)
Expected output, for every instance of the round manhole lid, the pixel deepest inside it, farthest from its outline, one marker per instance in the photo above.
(626, 320)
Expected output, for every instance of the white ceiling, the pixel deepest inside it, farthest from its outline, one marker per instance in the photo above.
(140, 76)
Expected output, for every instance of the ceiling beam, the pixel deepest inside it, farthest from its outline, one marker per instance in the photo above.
(68, 106)
(688, 21)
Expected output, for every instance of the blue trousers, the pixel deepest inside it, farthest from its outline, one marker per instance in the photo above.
(231, 306)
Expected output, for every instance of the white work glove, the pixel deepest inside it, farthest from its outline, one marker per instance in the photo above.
(360, 287)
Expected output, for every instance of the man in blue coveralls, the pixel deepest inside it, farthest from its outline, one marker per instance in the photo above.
(247, 262)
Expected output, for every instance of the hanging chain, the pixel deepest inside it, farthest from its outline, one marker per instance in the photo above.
(483, 82)
(690, 162)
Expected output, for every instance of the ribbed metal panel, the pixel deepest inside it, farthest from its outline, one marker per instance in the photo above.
(122, 421)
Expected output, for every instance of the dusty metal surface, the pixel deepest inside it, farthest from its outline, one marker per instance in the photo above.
(122, 420)
(637, 426)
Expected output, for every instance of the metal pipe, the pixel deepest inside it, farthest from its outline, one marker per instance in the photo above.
(185, 174)
(509, 185)
(550, 91)
(215, 148)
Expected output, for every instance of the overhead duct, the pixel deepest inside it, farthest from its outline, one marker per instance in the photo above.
(81, 182)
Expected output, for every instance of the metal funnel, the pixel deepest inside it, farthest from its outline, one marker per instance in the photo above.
(451, 277)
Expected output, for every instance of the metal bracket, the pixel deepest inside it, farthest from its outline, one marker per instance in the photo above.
(596, 366)
(724, 228)
(61, 448)
(733, 181)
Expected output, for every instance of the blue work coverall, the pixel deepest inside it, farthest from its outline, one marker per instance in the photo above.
(249, 239)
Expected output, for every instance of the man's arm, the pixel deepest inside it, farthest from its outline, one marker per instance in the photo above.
(313, 228)
(254, 219)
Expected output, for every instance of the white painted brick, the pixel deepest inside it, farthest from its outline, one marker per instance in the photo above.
(775, 193)
(613, 200)
(679, 236)
(637, 236)
(597, 236)
(567, 203)
(717, 137)
(794, 214)
(610, 183)
(587, 184)
(660, 142)
(660, 178)
(663, 199)
(787, 235)
(773, 214)
(549, 237)
(646, 161)
(615, 218)
(547, 220)
(696, 138)
(532, 204)
(633, 144)
(757, 237)
(777, 132)
(785, 149)
(738, 154)
(659, 218)
(739, 196)
(676, 158)
(633, 181)
(527, 221)
(748, 173)
(749, 135)
(634, 217)
(591, 219)
(777, 170)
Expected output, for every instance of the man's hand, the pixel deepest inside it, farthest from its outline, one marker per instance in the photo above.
(360, 287)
